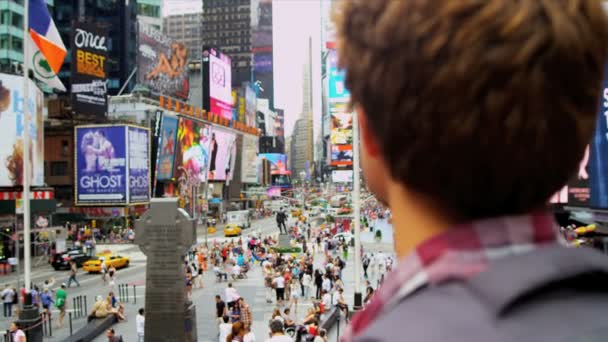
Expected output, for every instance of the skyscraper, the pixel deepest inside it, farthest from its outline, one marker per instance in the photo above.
(227, 27)
(149, 13)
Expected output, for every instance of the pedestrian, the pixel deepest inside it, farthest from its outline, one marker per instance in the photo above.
(276, 332)
(245, 311)
(220, 309)
(225, 329)
(111, 335)
(104, 272)
(111, 277)
(345, 251)
(17, 334)
(318, 283)
(8, 295)
(237, 332)
(306, 285)
(73, 271)
(47, 300)
(35, 296)
(294, 294)
(365, 265)
(140, 324)
(61, 297)
(279, 287)
(322, 337)
(231, 296)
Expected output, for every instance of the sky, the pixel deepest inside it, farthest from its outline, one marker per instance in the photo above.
(294, 21)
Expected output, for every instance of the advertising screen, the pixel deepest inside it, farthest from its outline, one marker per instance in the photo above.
(89, 68)
(220, 83)
(166, 149)
(223, 154)
(11, 139)
(578, 187)
(249, 164)
(101, 165)
(278, 162)
(341, 128)
(342, 176)
(192, 153)
(598, 160)
(139, 165)
(162, 63)
(341, 155)
(337, 89)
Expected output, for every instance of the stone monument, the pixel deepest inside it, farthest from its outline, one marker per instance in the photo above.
(164, 234)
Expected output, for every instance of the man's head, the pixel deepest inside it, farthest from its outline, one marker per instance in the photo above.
(225, 319)
(286, 311)
(276, 326)
(110, 332)
(229, 284)
(218, 298)
(476, 108)
(141, 311)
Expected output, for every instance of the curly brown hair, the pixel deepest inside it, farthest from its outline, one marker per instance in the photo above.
(484, 106)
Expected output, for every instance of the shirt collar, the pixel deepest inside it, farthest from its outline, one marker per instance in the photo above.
(458, 254)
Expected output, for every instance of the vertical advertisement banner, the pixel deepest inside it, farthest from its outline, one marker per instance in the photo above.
(101, 165)
(166, 149)
(162, 63)
(11, 140)
(250, 106)
(337, 89)
(220, 83)
(192, 153)
(139, 165)
(249, 163)
(89, 68)
(223, 153)
(598, 161)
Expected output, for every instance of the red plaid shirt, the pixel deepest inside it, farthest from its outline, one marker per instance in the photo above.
(458, 254)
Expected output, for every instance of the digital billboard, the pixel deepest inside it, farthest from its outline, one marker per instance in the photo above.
(139, 164)
(11, 139)
(218, 83)
(249, 160)
(166, 147)
(342, 176)
(101, 165)
(579, 193)
(341, 155)
(250, 106)
(337, 89)
(341, 128)
(89, 68)
(278, 162)
(162, 63)
(223, 154)
(598, 159)
(192, 153)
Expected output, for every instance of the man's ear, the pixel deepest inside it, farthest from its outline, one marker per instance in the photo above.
(368, 138)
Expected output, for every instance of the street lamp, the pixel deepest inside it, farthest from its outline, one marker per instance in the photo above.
(357, 213)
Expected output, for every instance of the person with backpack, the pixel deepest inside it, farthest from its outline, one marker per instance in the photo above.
(463, 130)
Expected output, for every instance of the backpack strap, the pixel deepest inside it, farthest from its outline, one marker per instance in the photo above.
(514, 280)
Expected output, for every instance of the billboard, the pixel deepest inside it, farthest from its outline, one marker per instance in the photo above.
(223, 155)
(112, 165)
(278, 162)
(598, 159)
(192, 153)
(342, 176)
(101, 165)
(162, 63)
(89, 68)
(341, 155)
(139, 164)
(166, 149)
(11, 139)
(218, 82)
(249, 163)
(341, 128)
(336, 88)
(250, 106)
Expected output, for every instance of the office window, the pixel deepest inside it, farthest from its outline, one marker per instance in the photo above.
(17, 20)
(65, 148)
(17, 44)
(59, 168)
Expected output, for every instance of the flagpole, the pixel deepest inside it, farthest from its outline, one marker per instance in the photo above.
(26, 152)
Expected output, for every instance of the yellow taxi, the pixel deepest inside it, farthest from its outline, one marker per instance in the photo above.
(296, 212)
(111, 260)
(232, 229)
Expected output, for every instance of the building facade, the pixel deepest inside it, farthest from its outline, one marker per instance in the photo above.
(149, 12)
(227, 27)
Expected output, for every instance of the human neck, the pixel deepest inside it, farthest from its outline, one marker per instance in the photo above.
(414, 220)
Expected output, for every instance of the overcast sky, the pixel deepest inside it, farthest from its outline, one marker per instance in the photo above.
(293, 22)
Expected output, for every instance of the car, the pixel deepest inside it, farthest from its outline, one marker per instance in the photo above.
(232, 229)
(348, 237)
(61, 261)
(111, 260)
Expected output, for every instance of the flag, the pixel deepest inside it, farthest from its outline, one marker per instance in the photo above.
(46, 49)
